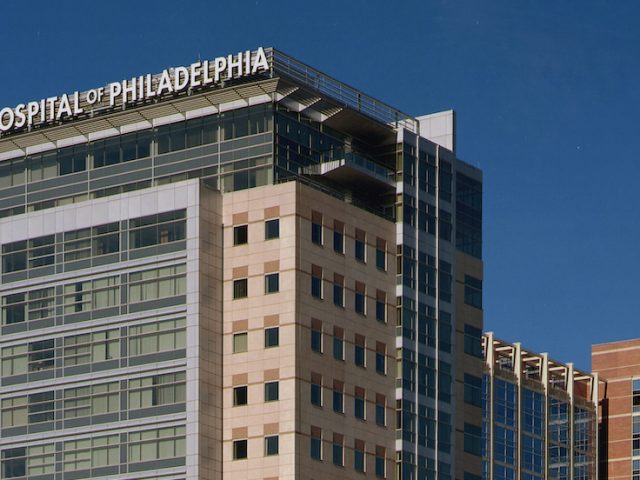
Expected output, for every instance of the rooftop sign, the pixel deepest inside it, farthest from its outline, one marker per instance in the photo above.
(173, 80)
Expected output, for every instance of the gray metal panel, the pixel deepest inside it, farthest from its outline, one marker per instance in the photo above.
(41, 427)
(56, 182)
(108, 365)
(187, 165)
(44, 323)
(156, 464)
(105, 259)
(15, 201)
(122, 179)
(77, 422)
(14, 276)
(14, 380)
(105, 312)
(77, 265)
(158, 357)
(120, 168)
(77, 370)
(42, 271)
(158, 250)
(77, 317)
(60, 192)
(157, 410)
(161, 303)
(105, 418)
(13, 431)
(14, 328)
(44, 375)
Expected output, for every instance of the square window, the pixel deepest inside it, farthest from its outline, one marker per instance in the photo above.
(240, 342)
(271, 337)
(271, 391)
(239, 449)
(239, 396)
(272, 229)
(240, 234)
(272, 283)
(271, 445)
(240, 288)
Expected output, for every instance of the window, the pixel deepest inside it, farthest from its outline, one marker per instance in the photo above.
(316, 389)
(472, 439)
(316, 281)
(33, 305)
(272, 229)
(33, 357)
(359, 403)
(316, 336)
(381, 414)
(338, 396)
(34, 253)
(91, 347)
(635, 435)
(157, 283)
(381, 254)
(240, 396)
(472, 341)
(28, 409)
(359, 351)
(239, 449)
(157, 337)
(358, 456)
(91, 295)
(240, 288)
(338, 290)
(240, 234)
(28, 461)
(271, 391)
(157, 390)
(472, 291)
(381, 358)
(636, 395)
(271, 337)
(14, 411)
(271, 445)
(381, 306)
(240, 342)
(338, 450)
(271, 283)
(338, 237)
(360, 245)
(316, 443)
(360, 298)
(316, 228)
(473, 390)
(92, 400)
(91, 453)
(338, 343)
(157, 229)
(88, 242)
(380, 462)
(157, 444)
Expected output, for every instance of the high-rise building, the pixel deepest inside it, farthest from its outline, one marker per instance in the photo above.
(213, 270)
(619, 364)
(539, 416)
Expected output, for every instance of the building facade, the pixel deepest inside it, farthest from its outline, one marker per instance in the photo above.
(619, 417)
(215, 277)
(539, 416)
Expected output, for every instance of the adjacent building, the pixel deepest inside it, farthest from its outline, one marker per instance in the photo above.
(242, 268)
(539, 416)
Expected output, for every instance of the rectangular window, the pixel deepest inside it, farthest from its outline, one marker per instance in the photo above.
(360, 300)
(472, 439)
(338, 396)
(316, 389)
(472, 291)
(338, 237)
(381, 306)
(240, 396)
(240, 288)
(240, 234)
(91, 347)
(271, 445)
(14, 411)
(359, 403)
(92, 400)
(472, 341)
(338, 290)
(239, 449)
(380, 462)
(157, 229)
(91, 453)
(28, 461)
(272, 229)
(381, 410)
(315, 450)
(359, 456)
(88, 242)
(473, 390)
(157, 390)
(636, 395)
(360, 245)
(159, 444)
(271, 391)
(29, 306)
(240, 342)
(359, 351)
(316, 336)
(271, 337)
(156, 337)
(381, 254)
(157, 283)
(338, 450)
(381, 358)
(316, 227)
(34, 253)
(271, 283)
(338, 343)
(316, 281)
(91, 295)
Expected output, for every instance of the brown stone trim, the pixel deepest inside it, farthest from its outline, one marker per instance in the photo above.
(239, 433)
(272, 374)
(240, 218)
(240, 272)
(272, 266)
(361, 235)
(240, 379)
(271, 428)
(272, 320)
(272, 212)
(240, 326)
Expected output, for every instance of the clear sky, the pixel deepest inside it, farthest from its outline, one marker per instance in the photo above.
(547, 95)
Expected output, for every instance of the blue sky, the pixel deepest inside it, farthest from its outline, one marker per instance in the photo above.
(547, 95)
